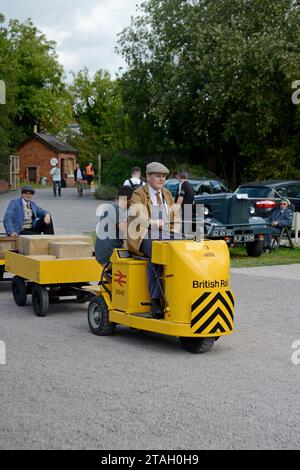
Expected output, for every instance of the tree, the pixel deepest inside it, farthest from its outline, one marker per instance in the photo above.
(36, 93)
(98, 109)
(41, 94)
(217, 77)
(7, 110)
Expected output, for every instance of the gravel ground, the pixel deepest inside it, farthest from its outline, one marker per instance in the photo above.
(64, 388)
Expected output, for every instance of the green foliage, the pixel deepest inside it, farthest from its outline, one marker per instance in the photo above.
(98, 109)
(118, 168)
(36, 93)
(214, 78)
(106, 193)
(275, 164)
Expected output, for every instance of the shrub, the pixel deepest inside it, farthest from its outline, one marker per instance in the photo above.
(105, 192)
(118, 168)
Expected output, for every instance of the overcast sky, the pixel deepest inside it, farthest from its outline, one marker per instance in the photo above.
(85, 30)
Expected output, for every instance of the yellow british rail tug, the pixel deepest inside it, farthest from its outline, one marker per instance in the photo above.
(199, 304)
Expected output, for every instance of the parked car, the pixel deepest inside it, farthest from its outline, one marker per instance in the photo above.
(230, 217)
(265, 195)
(201, 186)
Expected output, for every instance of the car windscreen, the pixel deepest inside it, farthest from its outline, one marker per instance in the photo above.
(257, 191)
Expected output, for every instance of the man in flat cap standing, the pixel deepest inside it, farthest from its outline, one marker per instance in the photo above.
(24, 217)
(152, 206)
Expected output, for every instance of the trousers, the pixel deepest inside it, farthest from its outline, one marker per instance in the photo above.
(39, 227)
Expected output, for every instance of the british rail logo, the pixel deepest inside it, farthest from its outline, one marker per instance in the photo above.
(120, 278)
(210, 284)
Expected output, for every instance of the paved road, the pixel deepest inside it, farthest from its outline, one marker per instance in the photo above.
(70, 213)
(63, 388)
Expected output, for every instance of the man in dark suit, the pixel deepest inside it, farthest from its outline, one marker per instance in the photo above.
(24, 217)
(185, 200)
(281, 217)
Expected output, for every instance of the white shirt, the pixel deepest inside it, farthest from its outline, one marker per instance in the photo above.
(55, 173)
(153, 195)
(134, 181)
(79, 174)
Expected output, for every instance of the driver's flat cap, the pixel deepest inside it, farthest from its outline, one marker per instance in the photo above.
(156, 167)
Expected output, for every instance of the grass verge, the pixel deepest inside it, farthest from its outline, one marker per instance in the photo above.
(240, 259)
(284, 255)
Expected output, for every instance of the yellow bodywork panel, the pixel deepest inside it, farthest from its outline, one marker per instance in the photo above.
(59, 271)
(196, 286)
(129, 284)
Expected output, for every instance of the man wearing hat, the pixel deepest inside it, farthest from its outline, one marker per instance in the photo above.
(151, 217)
(24, 217)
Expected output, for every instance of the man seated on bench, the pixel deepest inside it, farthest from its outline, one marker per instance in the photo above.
(281, 217)
(24, 217)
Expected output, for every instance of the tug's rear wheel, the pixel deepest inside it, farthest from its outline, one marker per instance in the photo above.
(98, 317)
(197, 345)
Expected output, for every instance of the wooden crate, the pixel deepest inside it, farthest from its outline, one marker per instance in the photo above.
(6, 244)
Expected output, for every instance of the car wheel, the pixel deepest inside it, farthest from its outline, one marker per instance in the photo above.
(255, 249)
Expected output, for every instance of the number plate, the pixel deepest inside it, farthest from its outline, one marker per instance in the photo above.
(249, 237)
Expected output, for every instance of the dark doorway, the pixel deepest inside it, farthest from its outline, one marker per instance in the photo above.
(32, 174)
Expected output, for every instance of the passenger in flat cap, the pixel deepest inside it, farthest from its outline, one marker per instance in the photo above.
(24, 217)
(152, 216)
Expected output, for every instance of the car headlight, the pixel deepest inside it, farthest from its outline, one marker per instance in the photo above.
(252, 210)
(206, 211)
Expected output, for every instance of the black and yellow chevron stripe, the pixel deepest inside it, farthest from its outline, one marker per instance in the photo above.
(212, 313)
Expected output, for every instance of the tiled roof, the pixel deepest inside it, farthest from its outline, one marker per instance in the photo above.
(52, 142)
(56, 144)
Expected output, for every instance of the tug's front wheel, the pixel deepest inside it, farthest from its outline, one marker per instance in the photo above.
(197, 345)
(98, 317)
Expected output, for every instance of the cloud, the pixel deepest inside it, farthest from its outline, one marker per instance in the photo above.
(85, 30)
(55, 34)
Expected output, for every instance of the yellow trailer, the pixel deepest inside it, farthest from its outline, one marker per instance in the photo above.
(199, 304)
(50, 280)
(6, 243)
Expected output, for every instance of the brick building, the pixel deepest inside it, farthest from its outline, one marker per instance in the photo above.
(36, 152)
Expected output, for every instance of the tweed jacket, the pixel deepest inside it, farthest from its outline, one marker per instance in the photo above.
(140, 216)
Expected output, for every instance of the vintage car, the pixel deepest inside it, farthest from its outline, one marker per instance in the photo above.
(231, 217)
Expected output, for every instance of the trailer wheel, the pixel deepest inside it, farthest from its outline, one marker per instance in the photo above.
(83, 298)
(19, 290)
(98, 317)
(197, 345)
(255, 249)
(40, 300)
